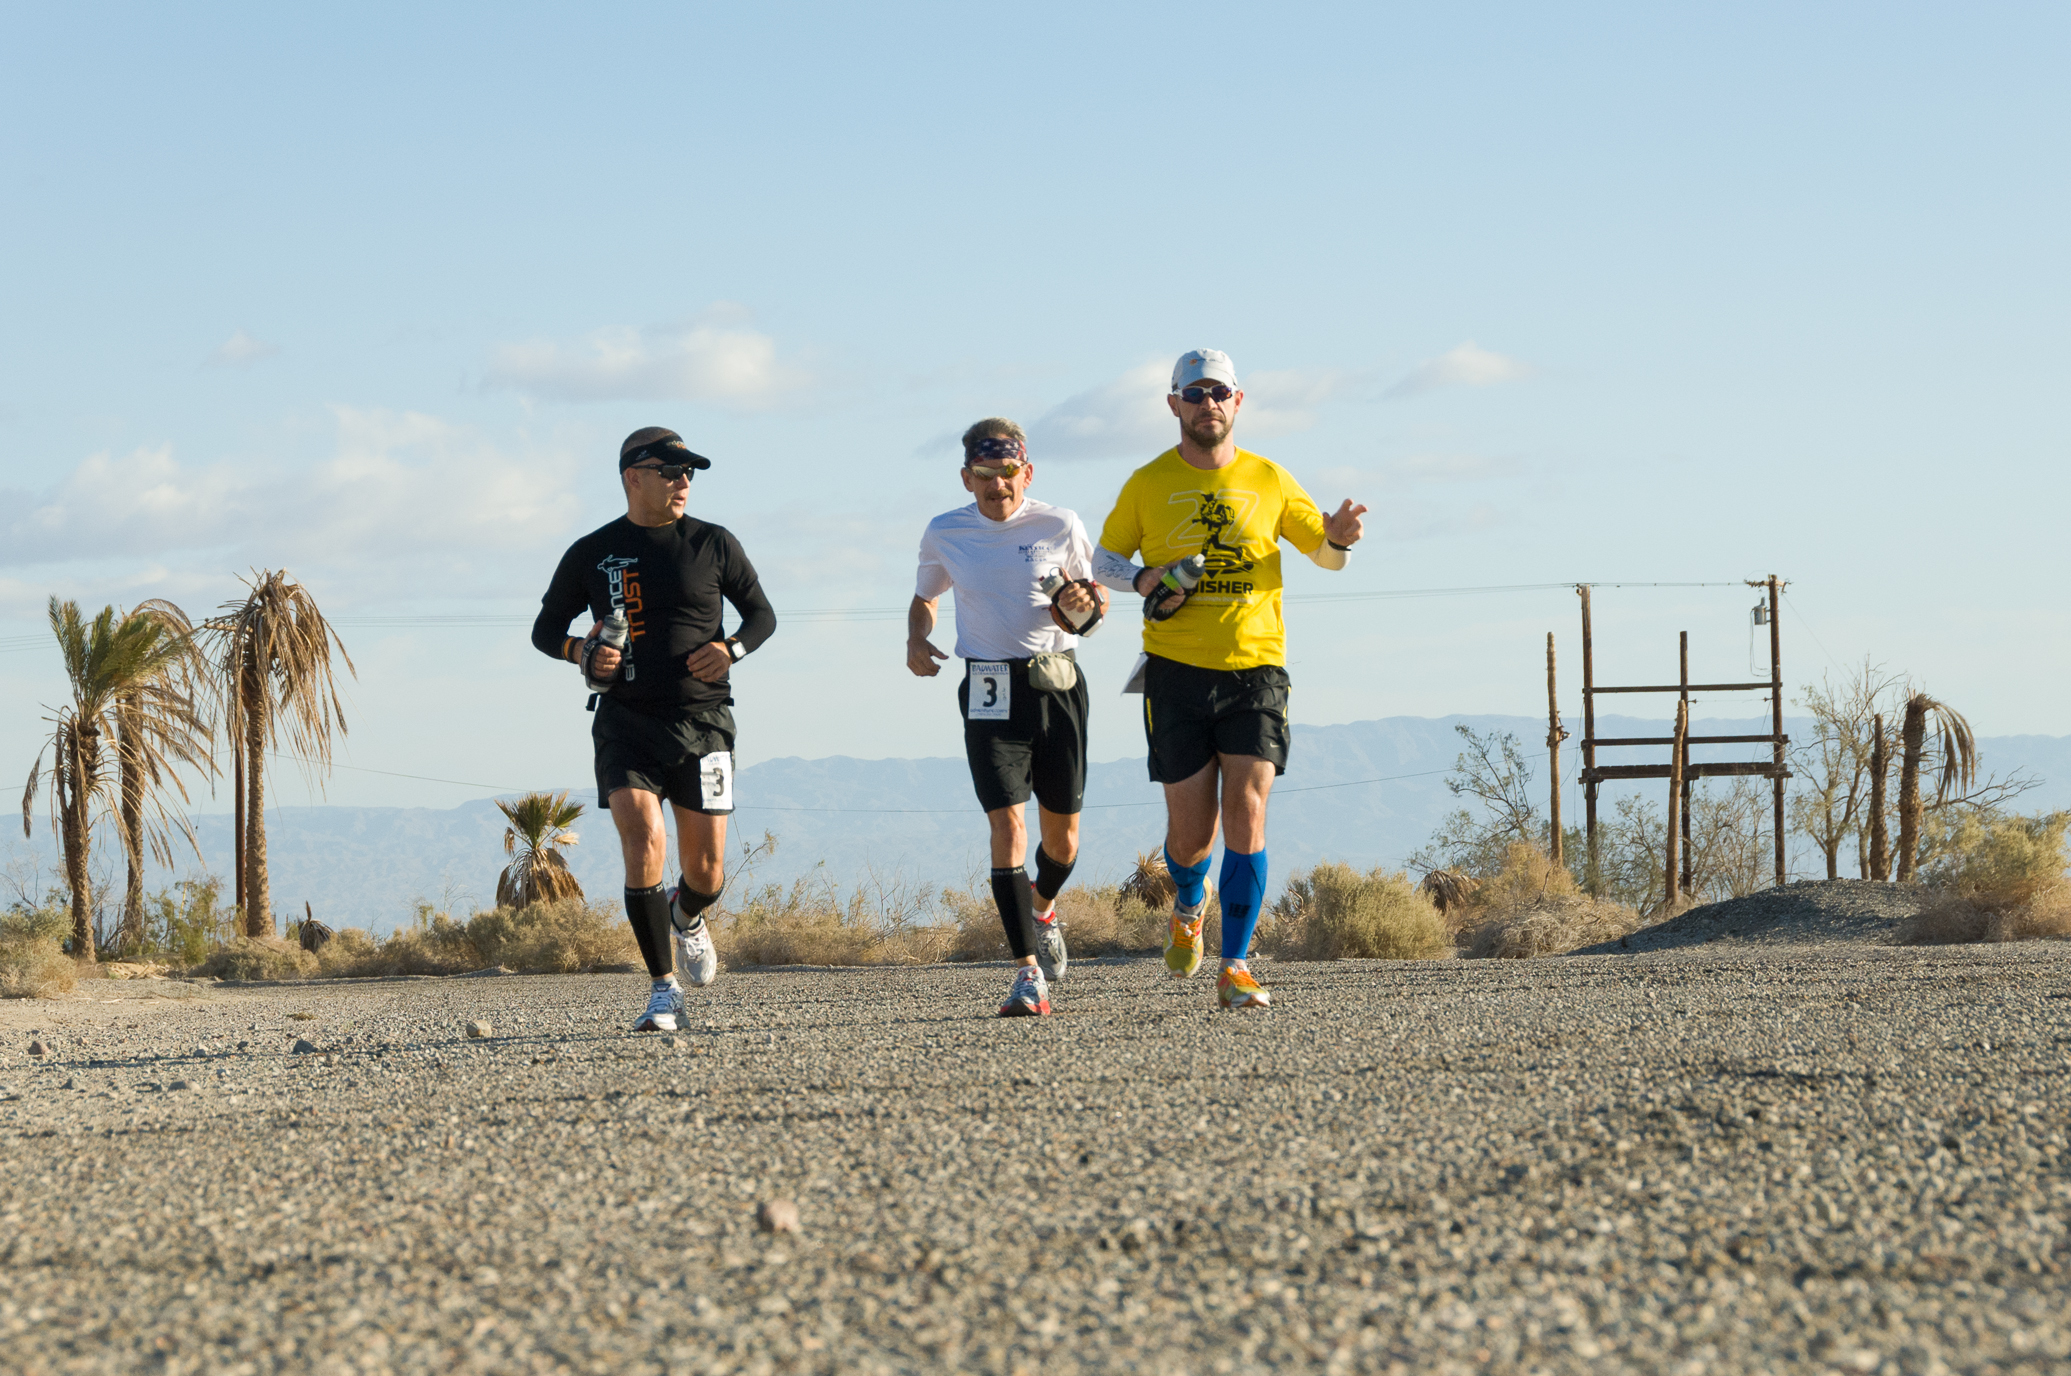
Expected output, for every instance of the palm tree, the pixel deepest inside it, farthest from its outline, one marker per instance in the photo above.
(1957, 749)
(272, 653)
(124, 676)
(537, 873)
(141, 716)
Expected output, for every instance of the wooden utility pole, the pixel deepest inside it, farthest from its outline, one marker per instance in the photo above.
(1673, 876)
(1776, 702)
(1592, 873)
(1880, 837)
(1683, 749)
(1554, 736)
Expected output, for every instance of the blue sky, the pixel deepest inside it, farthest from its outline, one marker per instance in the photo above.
(1609, 293)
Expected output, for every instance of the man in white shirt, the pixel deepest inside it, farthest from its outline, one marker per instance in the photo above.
(1022, 698)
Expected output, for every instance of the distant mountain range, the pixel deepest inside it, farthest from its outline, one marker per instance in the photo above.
(1367, 793)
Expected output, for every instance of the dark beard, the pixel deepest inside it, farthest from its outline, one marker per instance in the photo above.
(1207, 433)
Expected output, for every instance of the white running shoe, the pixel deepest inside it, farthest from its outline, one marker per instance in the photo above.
(1049, 951)
(697, 959)
(662, 1007)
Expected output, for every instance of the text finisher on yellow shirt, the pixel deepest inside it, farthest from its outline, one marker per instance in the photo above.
(1236, 516)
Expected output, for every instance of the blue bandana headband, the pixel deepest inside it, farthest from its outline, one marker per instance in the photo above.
(997, 448)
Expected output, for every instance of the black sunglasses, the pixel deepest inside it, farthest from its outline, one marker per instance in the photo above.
(1192, 396)
(667, 472)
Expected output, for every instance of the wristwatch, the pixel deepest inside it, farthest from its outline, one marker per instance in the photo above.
(735, 649)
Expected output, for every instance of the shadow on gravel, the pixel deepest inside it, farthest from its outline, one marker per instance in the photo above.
(1813, 911)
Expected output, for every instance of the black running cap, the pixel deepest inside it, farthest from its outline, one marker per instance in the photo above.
(657, 442)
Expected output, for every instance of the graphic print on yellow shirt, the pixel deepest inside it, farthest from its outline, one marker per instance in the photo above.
(1236, 516)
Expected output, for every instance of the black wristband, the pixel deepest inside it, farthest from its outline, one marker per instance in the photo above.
(1343, 549)
(735, 650)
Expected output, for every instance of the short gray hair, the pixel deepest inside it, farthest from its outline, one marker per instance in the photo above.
(992, 428)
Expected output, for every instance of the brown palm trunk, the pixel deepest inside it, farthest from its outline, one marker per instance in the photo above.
(128, 759)
(75, 839)
(1913, 744)
(258, 908)
(1880, 839)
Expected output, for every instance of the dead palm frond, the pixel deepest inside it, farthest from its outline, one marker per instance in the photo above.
(1448, 889)
(537, 831)
(1956, 750)
(272, 656)
(128, 681)
(1150, 883)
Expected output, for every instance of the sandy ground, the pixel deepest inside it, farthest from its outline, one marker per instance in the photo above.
(1712, 1160)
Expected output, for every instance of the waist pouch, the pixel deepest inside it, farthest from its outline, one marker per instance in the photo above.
(1053, 671)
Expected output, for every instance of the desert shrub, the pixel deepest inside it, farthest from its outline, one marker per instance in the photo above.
(2000, 878)
(434, 944)
(50, 922)
(560, 937)
(1099, 920)
(1334, 912)
(184, 922)
(1531, 907)
(258, 958)
(807, 924)
(33, 966)
(350, 951)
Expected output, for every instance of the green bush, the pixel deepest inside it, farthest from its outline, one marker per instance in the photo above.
(1999, 878)
(258, 958)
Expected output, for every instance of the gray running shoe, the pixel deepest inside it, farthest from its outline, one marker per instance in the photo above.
(697, 960)
(1029, 998)
(1050, 952)
(663, 1006)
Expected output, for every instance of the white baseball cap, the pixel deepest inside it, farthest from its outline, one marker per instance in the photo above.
(1203, 365)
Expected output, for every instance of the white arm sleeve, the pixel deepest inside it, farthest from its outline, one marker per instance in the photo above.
(1113, 571)
(1329, 556)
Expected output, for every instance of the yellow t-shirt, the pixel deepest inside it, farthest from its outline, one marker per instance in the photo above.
(1237, 516)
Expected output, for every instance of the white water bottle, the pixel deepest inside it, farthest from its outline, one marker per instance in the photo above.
(1052, 581)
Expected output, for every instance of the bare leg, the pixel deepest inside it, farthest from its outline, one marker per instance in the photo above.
(701, 846)
(1060, 834)
(642, 835)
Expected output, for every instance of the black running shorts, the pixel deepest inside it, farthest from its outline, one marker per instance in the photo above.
(687, 760)
(1192, 715)
(1039, 748)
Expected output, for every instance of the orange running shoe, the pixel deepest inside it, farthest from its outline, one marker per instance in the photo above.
(1183, 946)
(1237, 989)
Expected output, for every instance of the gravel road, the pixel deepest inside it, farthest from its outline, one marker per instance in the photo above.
(1847, 1158)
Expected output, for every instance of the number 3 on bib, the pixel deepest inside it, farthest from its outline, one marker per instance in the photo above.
(992, 690)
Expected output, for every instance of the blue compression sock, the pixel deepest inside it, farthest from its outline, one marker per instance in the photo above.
(1243, 889)
(1191, 879)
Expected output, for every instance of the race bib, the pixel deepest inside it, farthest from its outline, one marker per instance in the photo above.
(992, 690)
(715, 781)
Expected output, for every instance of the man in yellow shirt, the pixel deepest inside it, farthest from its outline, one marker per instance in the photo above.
(1214, 674)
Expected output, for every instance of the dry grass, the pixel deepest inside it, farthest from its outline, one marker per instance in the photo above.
(809, 924)
(1333, 912)
(34, 967)
(563, 937)
(2003, 879)
(1533, 908)
(1100, 920)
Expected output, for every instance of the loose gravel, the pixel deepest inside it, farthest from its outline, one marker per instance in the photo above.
(1812, 912)
(1746, 1159)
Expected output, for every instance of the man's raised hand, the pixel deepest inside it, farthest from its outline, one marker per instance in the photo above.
(1343, 526)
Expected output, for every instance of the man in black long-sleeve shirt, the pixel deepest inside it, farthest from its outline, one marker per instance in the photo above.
(663, 727)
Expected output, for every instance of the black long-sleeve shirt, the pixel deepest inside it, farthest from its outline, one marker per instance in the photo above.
(668, 581)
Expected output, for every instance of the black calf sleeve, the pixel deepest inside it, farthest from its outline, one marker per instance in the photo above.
(648, 911)
(691, 905)
(1051, 875)
(1017, 909)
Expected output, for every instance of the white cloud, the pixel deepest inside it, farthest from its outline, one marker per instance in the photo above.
(242, 348)
(1123, 417)
(1128, 416)
(1469, 365)
(406, 506)
(717, 360)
